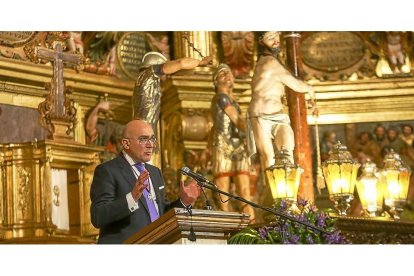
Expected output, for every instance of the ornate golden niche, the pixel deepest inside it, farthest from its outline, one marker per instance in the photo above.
(27, 194)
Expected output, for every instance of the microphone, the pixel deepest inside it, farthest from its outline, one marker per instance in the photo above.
(196, 176)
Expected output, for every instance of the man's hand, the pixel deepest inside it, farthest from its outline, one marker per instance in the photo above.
(206, 61)
(312, 102)
(190, 192)
(140, 185)
(315, 110)
(103, 106)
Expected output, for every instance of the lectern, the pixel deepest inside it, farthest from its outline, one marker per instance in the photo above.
(209, 227)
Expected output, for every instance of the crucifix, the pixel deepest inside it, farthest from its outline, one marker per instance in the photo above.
(57, 111)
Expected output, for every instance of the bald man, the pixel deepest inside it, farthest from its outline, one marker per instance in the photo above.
(127, 193)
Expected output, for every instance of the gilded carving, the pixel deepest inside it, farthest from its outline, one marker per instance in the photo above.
(49, 119)
(16, 39)
(187, 125)
(46, 198)
(86, 180)
(70, 110)
(130, 50)
(23, 190)
(2, 195)
(171, 178)
(195, 45)
(358, 237)
(333, 55)
(56, 193)
(238, 50)
(158, 41)
(194, 125)
(184, 136)
(57, 112)
(172, 144)
(100, 51)
(20, 45)
(392, 51)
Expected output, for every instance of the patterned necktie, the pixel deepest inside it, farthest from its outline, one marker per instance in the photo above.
(150, 202)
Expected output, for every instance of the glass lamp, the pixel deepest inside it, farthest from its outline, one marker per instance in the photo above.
(396, 179)
(340, 171)
(284, 177)
(370, 190)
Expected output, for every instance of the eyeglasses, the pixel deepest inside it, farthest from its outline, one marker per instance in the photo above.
(144, 139)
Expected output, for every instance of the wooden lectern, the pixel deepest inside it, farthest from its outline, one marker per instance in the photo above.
(210, 227)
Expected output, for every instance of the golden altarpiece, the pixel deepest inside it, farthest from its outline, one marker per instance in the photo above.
(355, 77)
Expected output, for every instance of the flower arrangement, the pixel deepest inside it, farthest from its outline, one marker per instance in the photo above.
(284, 231)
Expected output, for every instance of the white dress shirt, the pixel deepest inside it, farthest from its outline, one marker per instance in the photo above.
(132, 204)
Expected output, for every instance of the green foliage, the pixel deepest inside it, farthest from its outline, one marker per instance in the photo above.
(285, 231)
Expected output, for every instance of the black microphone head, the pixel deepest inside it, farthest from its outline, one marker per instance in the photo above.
(185, 169)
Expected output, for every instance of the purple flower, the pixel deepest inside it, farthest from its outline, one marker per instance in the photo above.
(302, 202)
(302, 217)
(286, 231)
(335, 238)
(309, 239)
(320, 220)
(283, 204)
(294, 239)
(284, 227)
(263, 232)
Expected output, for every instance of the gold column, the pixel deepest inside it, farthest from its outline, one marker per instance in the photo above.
(2, 182)
(185, 44)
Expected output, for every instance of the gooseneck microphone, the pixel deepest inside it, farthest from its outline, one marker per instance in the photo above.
(195, 176)
(200, 179)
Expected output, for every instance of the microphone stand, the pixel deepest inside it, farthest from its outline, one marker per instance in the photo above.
(207, 184)
(208, 205)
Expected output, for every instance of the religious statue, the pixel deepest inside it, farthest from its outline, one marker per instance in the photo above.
(396, 51)
(269, 124)
(75, 42)
(100, 50)
(160, 43)
(146, 98)
(104, 132)
(229, 154)
(328, 142)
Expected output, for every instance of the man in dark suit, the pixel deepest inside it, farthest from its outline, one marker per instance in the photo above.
(127, 194)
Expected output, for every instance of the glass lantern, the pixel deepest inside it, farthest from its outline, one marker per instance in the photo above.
(370, 190)
(396, 180)
(284, 177)
(340, 171)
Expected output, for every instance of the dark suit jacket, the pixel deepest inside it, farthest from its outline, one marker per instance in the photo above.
(112, 181)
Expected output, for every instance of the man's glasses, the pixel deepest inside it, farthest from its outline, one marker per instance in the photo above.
(144, 139)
